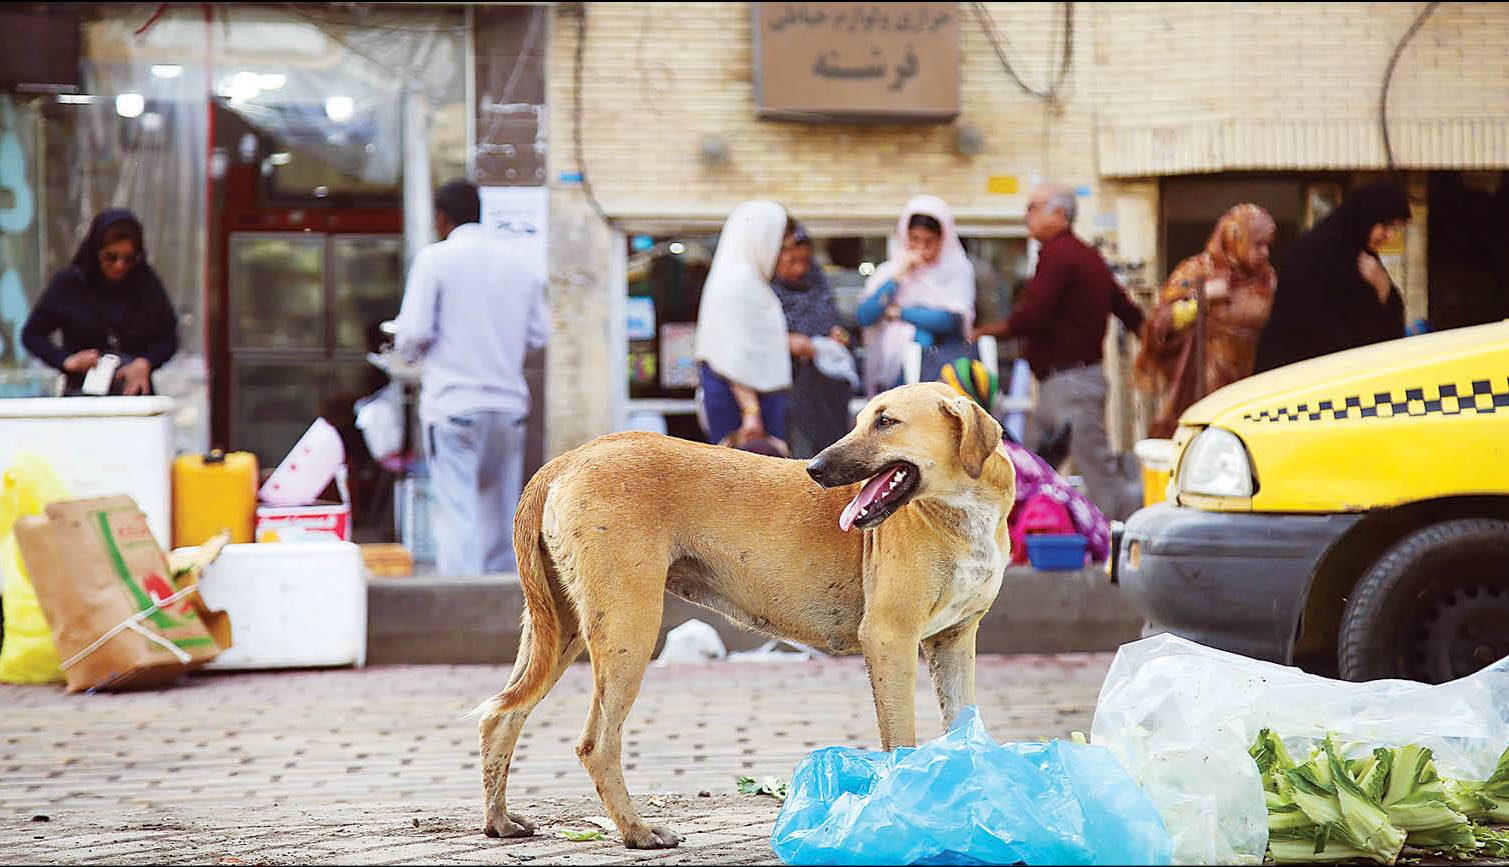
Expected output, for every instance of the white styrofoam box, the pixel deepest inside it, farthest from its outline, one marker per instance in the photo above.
(100, 446)
(291, 606)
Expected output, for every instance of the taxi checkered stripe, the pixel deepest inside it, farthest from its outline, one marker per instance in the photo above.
(1482, 396)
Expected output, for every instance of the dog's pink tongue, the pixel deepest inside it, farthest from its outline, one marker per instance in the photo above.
(867, 495)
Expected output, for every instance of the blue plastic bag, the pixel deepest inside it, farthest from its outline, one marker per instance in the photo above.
(964, 799)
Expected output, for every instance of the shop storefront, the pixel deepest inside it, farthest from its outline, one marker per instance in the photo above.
(665, 274)
(281, 159)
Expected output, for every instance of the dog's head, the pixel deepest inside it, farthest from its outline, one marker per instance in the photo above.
(915, 441)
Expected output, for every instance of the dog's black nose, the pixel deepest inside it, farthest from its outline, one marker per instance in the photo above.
(817, 469)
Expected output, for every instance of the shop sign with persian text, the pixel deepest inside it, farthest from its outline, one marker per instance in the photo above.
(857, 61)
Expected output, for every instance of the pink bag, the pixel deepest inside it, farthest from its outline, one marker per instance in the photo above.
(1039, 513)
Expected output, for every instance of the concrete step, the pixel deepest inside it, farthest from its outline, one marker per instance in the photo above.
(457, 621)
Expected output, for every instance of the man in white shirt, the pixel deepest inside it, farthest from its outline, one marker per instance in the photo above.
(471, 309)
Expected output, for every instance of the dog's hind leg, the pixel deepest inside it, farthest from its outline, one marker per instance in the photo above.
(620, 639)
(950, 659)
(499, 733)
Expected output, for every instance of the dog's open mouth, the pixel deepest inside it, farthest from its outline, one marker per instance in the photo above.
(885, 492)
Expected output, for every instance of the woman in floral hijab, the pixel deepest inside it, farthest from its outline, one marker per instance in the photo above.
(1237, 281)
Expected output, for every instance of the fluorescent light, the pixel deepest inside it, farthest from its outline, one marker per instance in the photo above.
(244, 86)
(130, 105)
(76, 98)
(271, 80)
(340, 108)
(281, 158)
(167, 70)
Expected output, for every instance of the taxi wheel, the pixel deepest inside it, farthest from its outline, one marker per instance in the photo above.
(1432, 608)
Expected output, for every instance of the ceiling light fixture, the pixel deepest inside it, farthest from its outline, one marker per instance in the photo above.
(129, 105)
(340, 108)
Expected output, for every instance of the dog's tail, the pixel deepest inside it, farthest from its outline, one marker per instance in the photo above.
(544, 621)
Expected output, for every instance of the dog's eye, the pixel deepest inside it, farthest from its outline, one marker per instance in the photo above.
(885, 421)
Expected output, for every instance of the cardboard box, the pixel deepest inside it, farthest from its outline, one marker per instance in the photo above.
(102, 580)
(387, 560)
(321, 521)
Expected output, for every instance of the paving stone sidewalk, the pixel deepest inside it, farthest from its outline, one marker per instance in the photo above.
(377, 766)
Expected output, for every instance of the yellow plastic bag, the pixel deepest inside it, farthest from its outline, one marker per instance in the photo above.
(27, 654)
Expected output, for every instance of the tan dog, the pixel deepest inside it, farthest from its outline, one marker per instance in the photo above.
(603, 531)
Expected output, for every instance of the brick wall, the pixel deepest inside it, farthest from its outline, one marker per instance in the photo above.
(660, 77)
(1212, 86)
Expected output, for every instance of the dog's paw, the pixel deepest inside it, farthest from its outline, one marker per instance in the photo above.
(508, 825)
(653, 837)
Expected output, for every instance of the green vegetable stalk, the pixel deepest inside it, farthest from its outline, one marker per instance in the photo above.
(1486, 801)
(1343, 821)
(1330, 809)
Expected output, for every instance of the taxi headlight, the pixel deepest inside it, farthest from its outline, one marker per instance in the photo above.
(1216, 465)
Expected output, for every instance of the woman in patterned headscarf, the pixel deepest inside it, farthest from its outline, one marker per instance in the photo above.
(1204, 333)
(819, 406)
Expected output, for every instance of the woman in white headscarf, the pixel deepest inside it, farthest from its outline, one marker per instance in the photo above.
(743, 355)
(924, 292)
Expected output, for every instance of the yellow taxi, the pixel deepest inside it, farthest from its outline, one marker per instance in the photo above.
(1348, 514)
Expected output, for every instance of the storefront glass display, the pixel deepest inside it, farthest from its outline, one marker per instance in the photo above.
(665, 278)
(21, 271)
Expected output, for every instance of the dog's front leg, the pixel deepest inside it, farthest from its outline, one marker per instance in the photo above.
(889, 640)
(951, 661)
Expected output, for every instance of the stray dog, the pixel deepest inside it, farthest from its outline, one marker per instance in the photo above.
(603, 531)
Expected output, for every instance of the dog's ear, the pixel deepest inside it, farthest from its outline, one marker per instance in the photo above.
(979, 434)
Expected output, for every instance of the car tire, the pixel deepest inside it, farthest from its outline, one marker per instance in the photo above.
(1432, 608)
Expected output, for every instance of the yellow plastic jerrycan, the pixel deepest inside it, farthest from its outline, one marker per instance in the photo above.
(214, 492)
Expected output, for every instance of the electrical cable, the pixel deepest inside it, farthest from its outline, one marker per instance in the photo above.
(1388, 77)
(580, 10)
(1056, 80)
(151, 21)
(530, 44)
(646, 87)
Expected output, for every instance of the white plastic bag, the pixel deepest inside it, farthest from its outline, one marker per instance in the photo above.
(692, 641)
(379, 417)
(1180, 716)
(771, 651)
(834, 360)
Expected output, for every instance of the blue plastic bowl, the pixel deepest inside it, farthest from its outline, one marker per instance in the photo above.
(1056, 551)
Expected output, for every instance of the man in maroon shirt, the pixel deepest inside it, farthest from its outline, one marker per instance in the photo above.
(1061, 318)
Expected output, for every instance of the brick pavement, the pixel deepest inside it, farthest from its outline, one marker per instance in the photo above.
(377, 765)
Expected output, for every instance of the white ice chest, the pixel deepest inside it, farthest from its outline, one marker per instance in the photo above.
(292, 605)
(99, 446)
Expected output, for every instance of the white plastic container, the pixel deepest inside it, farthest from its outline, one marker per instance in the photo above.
(100, 446)
(101, 376)
(307, 469)
(291, 606)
